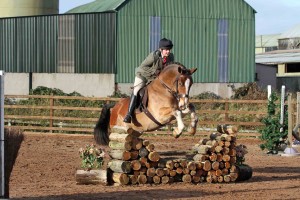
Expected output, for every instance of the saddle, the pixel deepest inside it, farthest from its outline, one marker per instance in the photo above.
(142, 100)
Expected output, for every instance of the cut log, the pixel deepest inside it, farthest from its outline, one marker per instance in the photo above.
(151, 172)
(143, 152)
(220, 179)
(218, 149)
(120, 166)
(120, 154)
(203, 141)
(134, 154)
(136, 165)
(165, 179)
(196, 179)
(225, 150)
(214, 135)
(153, 156)
(215, 165)
(120, 145)
(160, 172)
(226, 158)
(187, 178)
(150, 147)
(199, 164)
(146, 143)
(142, 179)
(179, 170)
(133, 179)
(91, 177)
(120, 178)
(219, 157)
(186, 171)
(120, 137)
(144, 161)
(219, 172)
(166, 171)
(213, 157)
(202, 149)
(172, 173)
(156, 179)
(227, 178)
(191, 166)
(206, 165)
(228, 129)
(136, 143)
(200, 157)
(121, 129)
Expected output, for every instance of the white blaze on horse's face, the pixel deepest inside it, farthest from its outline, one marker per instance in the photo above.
(184, 97)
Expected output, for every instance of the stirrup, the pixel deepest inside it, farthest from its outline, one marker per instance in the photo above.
(127, 119)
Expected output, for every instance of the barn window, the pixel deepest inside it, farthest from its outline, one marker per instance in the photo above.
(154, 32)
(223, 50)
(293, 68)
(66, 42)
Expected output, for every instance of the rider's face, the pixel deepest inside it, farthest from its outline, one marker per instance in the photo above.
(165, 52)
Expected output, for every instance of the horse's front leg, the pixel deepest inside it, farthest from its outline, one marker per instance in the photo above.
(194, 119)
(180, 125)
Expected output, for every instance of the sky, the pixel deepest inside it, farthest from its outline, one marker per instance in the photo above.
(272, 17)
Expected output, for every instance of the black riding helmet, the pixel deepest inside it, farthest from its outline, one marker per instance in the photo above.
(165, 44)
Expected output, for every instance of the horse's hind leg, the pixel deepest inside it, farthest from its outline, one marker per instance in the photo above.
(194, 119)
(180, 125)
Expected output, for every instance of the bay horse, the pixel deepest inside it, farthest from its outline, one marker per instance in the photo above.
(167, 99)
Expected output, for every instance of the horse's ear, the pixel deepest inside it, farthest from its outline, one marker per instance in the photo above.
(193, 70)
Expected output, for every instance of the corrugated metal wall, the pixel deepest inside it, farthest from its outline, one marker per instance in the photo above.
(192, 25)
(80, 43)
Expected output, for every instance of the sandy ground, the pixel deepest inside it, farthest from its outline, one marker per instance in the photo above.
(46, 165)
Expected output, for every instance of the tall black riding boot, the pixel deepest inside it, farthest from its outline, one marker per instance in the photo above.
(131, 108)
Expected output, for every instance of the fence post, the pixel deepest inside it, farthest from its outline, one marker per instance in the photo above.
(51, 112)
(226, 110)
(2, 172)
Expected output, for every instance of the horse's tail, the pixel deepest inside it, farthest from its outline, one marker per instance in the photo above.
(101, 128)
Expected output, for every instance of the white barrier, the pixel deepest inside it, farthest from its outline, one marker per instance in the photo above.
(2, 172)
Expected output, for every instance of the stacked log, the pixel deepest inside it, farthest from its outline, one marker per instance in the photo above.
(135, 161)
(219, 154)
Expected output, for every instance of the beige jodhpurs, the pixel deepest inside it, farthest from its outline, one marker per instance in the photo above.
(138, 84)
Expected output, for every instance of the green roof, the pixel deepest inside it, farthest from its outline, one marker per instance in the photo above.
(98, 6)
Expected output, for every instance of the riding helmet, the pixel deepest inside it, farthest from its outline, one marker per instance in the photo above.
(165, 44)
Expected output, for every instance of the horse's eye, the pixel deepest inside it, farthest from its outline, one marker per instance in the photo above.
(180, 84)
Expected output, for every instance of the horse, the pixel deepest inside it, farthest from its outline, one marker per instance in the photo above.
(164, 99)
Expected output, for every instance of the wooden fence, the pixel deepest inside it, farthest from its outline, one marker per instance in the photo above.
(55, 116)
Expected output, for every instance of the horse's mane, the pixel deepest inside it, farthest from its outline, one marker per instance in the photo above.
(175, 63)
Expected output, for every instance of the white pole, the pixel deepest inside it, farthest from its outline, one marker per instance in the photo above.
(269, 91)
(2, 180)
(282, 104)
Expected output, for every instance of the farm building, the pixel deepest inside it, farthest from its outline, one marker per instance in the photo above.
(285, 60)
(94, 46)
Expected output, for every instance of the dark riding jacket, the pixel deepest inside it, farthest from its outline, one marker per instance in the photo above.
(151, 66)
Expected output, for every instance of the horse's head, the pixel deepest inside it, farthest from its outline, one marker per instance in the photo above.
(178, 80)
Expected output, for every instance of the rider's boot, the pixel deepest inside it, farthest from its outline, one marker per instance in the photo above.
(127, 118)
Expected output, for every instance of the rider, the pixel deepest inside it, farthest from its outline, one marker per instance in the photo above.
(148, 70)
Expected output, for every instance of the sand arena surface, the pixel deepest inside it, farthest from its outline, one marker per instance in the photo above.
(46, 165)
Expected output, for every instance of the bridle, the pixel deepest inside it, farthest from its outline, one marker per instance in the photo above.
(171, 91)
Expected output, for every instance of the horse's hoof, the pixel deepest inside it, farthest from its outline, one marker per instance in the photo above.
(191, 131)
(175, 133)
